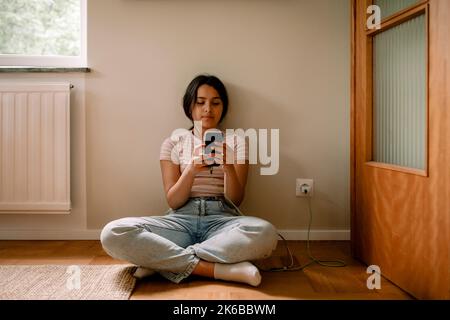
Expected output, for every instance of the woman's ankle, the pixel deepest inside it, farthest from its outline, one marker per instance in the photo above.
(204, 269)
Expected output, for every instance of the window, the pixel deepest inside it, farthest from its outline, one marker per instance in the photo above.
(43, 33)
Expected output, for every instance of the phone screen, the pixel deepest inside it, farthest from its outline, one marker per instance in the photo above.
(211, 137)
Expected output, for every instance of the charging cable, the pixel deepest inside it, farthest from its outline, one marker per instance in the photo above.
(292, 266)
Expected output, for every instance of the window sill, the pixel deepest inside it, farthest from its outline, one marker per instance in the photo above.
(25, 69)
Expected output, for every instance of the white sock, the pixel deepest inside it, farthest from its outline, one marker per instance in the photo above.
(239, 272)
(142, 272)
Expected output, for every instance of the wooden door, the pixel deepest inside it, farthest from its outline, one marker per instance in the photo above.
(401, 215)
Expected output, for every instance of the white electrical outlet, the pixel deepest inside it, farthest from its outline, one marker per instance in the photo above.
(304, 187)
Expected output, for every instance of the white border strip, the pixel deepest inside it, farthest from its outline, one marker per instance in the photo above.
(94, 234)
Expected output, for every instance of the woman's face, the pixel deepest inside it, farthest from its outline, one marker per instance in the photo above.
(208, 107)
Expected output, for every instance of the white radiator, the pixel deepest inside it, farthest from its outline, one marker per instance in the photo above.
(35, 148)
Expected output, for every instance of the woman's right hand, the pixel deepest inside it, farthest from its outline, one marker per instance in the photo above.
(197, 162)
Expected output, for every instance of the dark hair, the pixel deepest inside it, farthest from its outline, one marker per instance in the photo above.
(190, 95)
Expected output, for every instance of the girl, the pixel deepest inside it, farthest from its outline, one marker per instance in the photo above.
(202, 233)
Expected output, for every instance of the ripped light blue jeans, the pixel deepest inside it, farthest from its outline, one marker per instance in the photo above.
(203, 229)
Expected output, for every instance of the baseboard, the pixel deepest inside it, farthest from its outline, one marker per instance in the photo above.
(94, 234)
(318, 234)
(57, 234)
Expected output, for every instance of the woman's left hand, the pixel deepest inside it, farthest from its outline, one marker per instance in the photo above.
(221, 151)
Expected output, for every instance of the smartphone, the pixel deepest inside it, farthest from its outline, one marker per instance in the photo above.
(211, 136)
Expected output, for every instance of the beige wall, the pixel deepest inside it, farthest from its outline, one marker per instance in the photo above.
(285, 64)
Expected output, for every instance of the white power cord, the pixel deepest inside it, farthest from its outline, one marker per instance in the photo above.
(292, 266)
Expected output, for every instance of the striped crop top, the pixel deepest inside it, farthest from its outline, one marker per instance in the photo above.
(179, 149)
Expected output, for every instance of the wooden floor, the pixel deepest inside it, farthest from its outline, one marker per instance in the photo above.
(314, 282)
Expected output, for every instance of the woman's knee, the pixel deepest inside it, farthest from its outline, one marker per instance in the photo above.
(269, 237)
(116, 232)
(266, 235)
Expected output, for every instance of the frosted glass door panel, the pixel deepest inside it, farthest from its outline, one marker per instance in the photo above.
(399, 96)
(389, 7)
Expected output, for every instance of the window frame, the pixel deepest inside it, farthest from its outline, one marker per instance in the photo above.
(20, 60)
